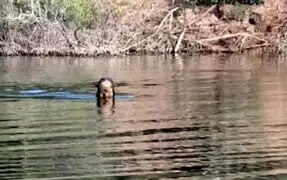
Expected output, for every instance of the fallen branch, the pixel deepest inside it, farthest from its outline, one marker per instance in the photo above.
(139, 30)
(164, 19)
(212, 48)
(257, 46)
(215, 48)
(160, 25)
(179, 41)
(242, 42)
(220, 37)
(231, 36)
(255, 37)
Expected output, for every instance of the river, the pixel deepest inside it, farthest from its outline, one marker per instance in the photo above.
(200, 117)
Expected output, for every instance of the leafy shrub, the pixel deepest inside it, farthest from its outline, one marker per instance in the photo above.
(71, 12)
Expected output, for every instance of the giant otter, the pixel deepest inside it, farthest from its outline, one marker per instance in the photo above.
(105, 92)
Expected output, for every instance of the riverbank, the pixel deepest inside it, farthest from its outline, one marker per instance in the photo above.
(149, 28)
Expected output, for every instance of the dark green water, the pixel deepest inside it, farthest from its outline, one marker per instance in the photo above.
(209, 117)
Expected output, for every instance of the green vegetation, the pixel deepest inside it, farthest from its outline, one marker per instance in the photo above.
(77, 12)
(70, 12)
(94, 27)
(74, 13)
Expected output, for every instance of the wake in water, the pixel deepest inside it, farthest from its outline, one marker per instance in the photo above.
(37, 93)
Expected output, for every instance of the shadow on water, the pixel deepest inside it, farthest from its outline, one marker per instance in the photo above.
(201, 117)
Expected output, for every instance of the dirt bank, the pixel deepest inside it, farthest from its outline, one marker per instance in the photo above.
(152, 27)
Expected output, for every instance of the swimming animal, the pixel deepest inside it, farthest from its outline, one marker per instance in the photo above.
(105, 91)
(105, 88)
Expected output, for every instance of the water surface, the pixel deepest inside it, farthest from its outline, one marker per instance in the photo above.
(201, 117)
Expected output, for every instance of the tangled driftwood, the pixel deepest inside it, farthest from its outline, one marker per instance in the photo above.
(222, 43)
(152, 30)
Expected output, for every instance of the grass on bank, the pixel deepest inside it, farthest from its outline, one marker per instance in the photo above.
(92, 27)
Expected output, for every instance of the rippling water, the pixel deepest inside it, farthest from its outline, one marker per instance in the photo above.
(201, 117)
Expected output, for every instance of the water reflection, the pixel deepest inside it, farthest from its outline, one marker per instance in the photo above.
(201, 117)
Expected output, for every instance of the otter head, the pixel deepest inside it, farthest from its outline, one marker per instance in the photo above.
(105, 89)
